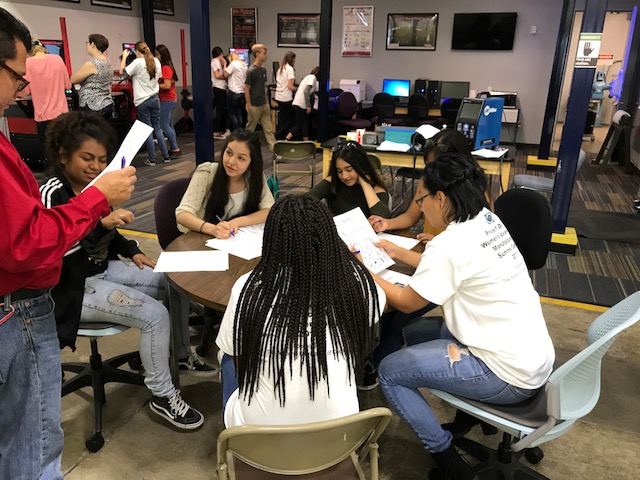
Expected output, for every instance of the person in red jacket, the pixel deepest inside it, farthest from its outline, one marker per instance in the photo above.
(33, 240)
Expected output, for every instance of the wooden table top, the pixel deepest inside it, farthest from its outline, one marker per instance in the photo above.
(211, 289)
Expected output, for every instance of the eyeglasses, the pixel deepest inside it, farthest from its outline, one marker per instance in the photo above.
(421, 199)
(23, 81)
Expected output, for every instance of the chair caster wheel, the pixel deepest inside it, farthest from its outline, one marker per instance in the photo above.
(135, 364)
(95, 443)
(534, 455)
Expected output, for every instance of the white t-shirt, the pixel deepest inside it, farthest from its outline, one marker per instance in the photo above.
(216, 66)
(144, 86)
(237, 71)
(476, 272)
(265, 408)
(308, 86)
(283, 93)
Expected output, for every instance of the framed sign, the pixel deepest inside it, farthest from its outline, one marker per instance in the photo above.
(244, 27)
(163, 7)
(299, 30)
(70, 1)
(126, 4)
(412, 31)
(357, 31)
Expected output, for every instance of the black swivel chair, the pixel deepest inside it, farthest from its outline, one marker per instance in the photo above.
(384, 108)
(449, 111)
(417, 110)
(347, 108)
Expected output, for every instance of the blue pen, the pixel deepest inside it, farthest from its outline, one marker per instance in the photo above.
(124, 162)
(220, 220)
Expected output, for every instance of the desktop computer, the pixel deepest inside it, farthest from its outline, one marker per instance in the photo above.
(420, 86)
(480, 120)
(433, 93)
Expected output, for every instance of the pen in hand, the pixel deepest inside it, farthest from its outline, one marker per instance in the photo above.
(123, 162)
(230, 231)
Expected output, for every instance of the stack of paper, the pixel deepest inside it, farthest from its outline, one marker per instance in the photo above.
(195, 261)
(488, 153)
(387, 146)
(246, 244)
(427, 131)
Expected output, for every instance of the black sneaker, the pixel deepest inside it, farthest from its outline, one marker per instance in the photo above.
(369, 379)
(177, 412)
(149, 162)
(166, 159)
(194, 365)
(175, 153)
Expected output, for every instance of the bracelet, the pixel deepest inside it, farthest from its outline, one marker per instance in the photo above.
(202, 226)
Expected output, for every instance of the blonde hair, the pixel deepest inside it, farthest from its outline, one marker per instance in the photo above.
(233, 56)
(37, 48)
(257, 48)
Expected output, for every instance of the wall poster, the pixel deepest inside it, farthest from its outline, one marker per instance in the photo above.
(244, 27)
(299, 30)
(357, 31)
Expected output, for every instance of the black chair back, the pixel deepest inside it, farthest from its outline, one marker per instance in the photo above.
(418, 107)
(164, 209)
(347, 105)
(449, 110)
(383, 105)
(527, 216)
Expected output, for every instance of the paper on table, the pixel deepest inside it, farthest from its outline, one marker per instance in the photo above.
(130, 146)
(427, 131)
(396, 278)
(246, 244)
(195, 261)
(354, 229)
(488, 153)
(388, 146)
(401, 241)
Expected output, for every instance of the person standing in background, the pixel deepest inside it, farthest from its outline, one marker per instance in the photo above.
(48, 80)
(237, 74)
(219, 83)
(285, 88)
(33, 241)
(168, 97)
(255, 94)
(95, 78)
(303, 105)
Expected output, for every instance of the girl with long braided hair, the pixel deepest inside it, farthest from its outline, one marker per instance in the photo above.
(297, 328)
(493, 345)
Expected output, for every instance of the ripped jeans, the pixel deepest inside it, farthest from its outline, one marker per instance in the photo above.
(446, 365)
(127, 295)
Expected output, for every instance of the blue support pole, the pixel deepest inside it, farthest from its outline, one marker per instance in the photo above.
(201, 79)
(571, 140)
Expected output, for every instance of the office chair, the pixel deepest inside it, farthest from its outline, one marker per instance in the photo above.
(347, 108)
(295, 159)
(542, 184)
(97, 373)
(449, 111)
(571, 392)
(417, 110)
(384, 108)
(329, 449)
(164, 208)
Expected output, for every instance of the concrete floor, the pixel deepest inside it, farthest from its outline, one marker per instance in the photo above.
(140, 446)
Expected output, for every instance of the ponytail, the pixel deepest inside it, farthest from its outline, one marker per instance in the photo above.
(149, 59)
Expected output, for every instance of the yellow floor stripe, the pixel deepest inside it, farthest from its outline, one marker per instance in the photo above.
(579, 305)
(134, 233)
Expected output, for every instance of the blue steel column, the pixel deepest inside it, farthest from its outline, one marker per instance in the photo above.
(325, 67)
(201, 79)
(555, 84)
(571, 140)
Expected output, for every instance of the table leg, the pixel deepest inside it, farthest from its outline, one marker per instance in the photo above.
(178, 309)
(327, 153)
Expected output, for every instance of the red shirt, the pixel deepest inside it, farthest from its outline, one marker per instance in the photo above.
(33, 239)
(168, 95)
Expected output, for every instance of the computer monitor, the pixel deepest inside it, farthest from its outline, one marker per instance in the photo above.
(453, 90)
(398, 89)
(54, 46)
(243, 53)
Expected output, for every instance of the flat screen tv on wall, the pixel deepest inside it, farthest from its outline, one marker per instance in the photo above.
(483, 31)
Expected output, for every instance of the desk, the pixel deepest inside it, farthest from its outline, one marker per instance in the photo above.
(211, 289)
(405, 159)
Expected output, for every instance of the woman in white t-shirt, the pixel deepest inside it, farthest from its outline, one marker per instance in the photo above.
(145, 71)
(494, 345)
(285, 88)
(219, 84)
(236, 75)
(291, 342)
(303, 105)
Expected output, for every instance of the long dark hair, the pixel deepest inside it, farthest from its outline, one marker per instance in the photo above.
(219, 192)
(306, 281)
(356, 156)
(447, 140)
(149, 59)
(461, 180)
(165, 59)
(289, 59)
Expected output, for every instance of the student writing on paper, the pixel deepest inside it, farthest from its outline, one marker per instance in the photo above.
(447, 140)
(297, 328)
(97, 286)
(233, 189)
(353, 182)
(494, 345)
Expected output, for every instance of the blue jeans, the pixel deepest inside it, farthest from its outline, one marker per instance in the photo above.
(166, 109)
(149, 112)
(228, 378)
(443, 364)
(235, 106)
(127, 295)
(31, 437)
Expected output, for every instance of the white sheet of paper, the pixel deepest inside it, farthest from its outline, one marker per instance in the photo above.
(130, 146)
(354, 229)
(399, 240)
(246, 244)
(427, 131)
(194, 261)
(488, 153)
(396, 278)
(388, 146)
